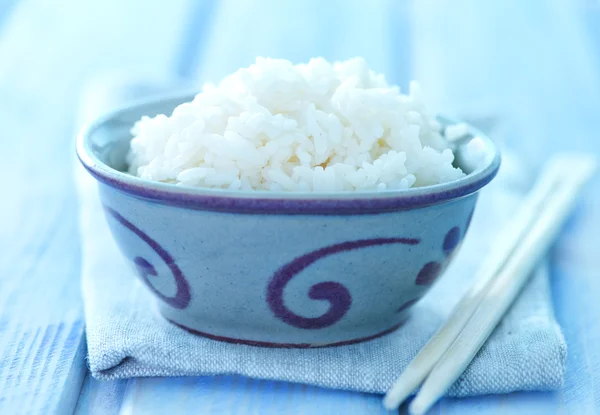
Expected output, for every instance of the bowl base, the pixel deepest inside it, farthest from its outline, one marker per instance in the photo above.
(285, 345)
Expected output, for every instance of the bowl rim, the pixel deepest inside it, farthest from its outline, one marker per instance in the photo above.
(275, 202)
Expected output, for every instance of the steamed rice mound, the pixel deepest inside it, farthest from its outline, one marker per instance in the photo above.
(315, 127)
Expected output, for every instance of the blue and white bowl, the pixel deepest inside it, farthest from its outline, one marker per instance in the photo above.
(282, 269)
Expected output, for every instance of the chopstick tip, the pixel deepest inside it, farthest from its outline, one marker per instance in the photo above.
(401, 390)
(391, 401)
(419, 405)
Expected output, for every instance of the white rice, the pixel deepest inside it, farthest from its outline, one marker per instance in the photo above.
(316, 127)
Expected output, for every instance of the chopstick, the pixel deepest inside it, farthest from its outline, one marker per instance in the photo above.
(422, 364)
(498, 281)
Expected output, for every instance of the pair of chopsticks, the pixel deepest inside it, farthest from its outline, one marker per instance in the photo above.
(498, 281)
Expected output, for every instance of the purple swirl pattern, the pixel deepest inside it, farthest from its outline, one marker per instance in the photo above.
(335, 293)
(429, 273)
(182, 297)
(451, 240)
(433, 269)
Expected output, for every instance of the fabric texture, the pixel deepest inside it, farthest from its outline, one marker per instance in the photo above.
(127, 337)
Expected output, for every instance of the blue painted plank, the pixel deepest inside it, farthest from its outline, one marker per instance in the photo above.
(299, 30)
(232, 395)
(41, 324)
(6, 8)
(101, 398)
(195, 38)
(492, 57)
(576, 288)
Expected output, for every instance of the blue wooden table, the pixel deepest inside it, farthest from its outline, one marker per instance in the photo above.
(532, 67)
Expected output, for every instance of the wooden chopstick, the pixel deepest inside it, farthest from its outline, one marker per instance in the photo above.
(505, 287)
(422, 364)
(498, 282)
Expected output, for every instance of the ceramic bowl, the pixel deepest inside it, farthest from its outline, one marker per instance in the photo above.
(282, 269)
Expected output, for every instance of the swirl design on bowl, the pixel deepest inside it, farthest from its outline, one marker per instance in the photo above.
(451, 240)
(182, 297)
(336, 293)
(433, 269)
(429, 273)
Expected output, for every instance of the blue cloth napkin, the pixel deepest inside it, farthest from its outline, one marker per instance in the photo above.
(127, 337)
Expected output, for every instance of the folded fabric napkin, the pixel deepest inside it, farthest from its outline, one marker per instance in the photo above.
(127, 337)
